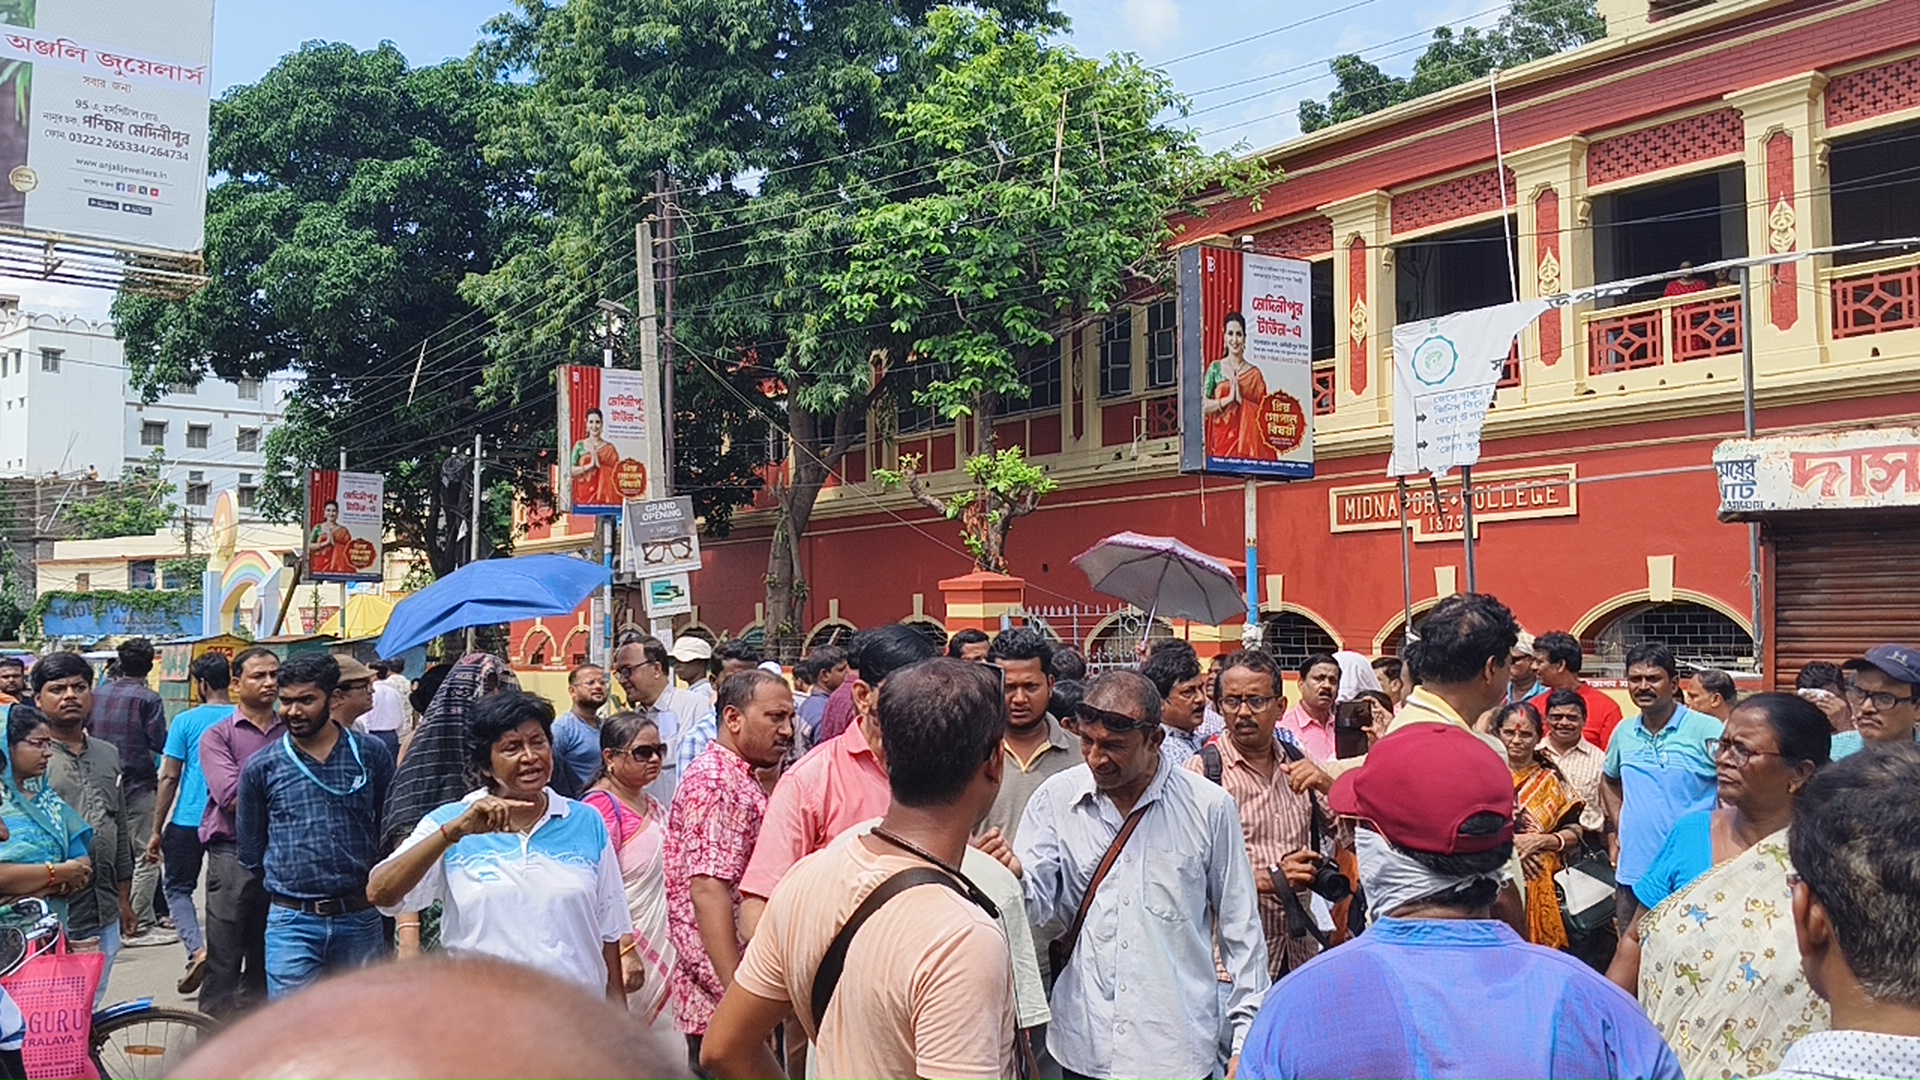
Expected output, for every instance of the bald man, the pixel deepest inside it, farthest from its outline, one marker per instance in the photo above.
(436, 1018)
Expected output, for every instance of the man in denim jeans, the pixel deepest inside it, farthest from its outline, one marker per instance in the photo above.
(309, 823)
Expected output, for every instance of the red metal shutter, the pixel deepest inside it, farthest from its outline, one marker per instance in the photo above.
(1843, 583)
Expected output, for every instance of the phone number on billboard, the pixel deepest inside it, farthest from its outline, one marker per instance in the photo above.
(117, 144)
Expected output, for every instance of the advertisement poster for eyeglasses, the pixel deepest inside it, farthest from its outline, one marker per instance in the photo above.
(669, 595)
(1246, 364)
(346, 525)
(604, 445)
(661, 538)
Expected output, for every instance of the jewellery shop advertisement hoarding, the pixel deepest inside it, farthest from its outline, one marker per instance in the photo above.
(605, 451)
(661, 540)
(106, 135)
(1246, 364)
(346, 525)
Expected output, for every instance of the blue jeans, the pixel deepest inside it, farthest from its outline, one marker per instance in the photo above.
(108, 938)
(303, 947)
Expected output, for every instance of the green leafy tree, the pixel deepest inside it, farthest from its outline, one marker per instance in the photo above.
(1005, 486)
(1530, 30)
(134, 505)
(350, 203)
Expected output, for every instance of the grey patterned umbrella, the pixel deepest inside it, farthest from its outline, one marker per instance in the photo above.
(1161, 575)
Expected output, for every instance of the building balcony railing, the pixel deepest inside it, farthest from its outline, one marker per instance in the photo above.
(1876, 297)
(1670, 330)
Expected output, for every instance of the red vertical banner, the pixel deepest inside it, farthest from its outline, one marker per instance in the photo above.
(603, 427)
(1358, 318)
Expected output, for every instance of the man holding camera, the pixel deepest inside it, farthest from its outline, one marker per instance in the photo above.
(1278, 823)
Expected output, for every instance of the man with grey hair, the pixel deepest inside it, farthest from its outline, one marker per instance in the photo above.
(1711, 691)
(1856, 914)
(1134, 918)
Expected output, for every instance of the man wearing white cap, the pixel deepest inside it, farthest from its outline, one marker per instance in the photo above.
(691, 656)
(1523, 671)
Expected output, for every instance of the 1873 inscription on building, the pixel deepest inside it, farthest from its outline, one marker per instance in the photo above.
(1548, 491)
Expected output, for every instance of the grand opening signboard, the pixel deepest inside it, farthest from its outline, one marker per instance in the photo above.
(604, 445)
(1246, 364)
(346, 525)
(104, 130)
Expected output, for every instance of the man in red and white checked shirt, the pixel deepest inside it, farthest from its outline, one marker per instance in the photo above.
(711, 830)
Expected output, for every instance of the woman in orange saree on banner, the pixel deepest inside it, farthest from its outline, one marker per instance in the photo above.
(1232, 398)
(327, 547)
(594, 467)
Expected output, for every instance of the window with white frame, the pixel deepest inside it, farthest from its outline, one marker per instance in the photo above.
(153, 433)
(50, 360)
(247, 440)
(198, 435)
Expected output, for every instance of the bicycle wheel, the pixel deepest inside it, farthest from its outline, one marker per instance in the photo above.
(148, 1043)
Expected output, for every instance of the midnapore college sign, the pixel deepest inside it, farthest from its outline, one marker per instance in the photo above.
(1435, 512)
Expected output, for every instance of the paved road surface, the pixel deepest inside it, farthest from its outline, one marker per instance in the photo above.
(150, 972)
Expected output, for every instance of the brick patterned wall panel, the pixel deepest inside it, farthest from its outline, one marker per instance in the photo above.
(1359, 318)
(1297, 240)
(1783, 232)
(1449, 200)
(1664, 146)
(1874, 92)
(1547, 270)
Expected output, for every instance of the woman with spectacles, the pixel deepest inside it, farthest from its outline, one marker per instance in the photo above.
(45, 851)
(1718, 908)
(631, 756)
(522, 874)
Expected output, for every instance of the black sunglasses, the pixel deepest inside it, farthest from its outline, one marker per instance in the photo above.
(1085, 714)
(646, 753)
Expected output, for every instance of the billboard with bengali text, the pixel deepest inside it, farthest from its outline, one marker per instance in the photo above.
(346, 525)
(103, 120)
(1246, 364)
(603, 423)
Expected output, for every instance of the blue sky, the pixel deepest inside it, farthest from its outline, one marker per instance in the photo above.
(1244, 91)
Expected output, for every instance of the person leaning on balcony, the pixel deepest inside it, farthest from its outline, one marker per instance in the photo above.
(1687, 282)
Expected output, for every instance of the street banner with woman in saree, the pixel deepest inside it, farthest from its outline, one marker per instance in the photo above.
(1246, 404)
(346, 525)
(604, 416)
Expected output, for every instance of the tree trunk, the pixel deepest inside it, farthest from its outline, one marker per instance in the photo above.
(812, 455)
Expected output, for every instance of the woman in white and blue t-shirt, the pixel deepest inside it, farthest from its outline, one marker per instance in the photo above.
(522, 874)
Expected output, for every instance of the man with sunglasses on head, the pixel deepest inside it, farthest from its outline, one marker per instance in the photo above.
(309, 825)
(1134, 867)
(1884, 690)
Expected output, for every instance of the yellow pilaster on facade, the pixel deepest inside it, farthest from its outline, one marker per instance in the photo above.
(1784, 124)
(1362, 228)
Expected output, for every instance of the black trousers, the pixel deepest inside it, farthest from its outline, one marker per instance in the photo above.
(236, 935)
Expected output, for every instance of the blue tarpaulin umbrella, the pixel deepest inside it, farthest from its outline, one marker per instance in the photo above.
(488, 593)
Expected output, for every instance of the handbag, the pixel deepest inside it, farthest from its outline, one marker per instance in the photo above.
(55, 993)
(1585, 889)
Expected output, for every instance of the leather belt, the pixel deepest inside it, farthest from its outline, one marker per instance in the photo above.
(341, 905)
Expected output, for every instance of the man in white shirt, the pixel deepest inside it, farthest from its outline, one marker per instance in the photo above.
(1856, 914)
(389, 713)
(1137, 996)
(643, 667)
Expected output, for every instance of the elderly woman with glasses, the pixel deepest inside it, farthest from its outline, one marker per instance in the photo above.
(631, 756)
(1713, 957)
(523, 874)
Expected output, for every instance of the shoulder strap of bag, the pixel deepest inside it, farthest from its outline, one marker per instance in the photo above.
(826, 978)
(1212, 762)
(1072, 937)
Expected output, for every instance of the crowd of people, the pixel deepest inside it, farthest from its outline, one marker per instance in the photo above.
(995, 862)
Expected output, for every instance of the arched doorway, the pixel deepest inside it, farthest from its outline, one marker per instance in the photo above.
(935, 633)
(1292, 636)
(1700, 637)
(1111, 644)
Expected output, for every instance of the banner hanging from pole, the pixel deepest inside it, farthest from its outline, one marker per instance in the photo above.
(346, 526)
(1444, 376)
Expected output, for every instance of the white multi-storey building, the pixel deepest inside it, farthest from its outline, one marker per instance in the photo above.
(67, 409)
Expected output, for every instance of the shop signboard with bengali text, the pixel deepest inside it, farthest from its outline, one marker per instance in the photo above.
(1246, 364)
(605, 414)
(346, 525)
(1840, 470)
(104, 133)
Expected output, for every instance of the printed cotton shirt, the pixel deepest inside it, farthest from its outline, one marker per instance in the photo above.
(550, 899)
(1139, 997)
(1850, 1055)
(1582, 766)
(711, 830)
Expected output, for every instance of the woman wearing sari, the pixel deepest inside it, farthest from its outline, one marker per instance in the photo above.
(1715, 962)
(631, 756)
(435, 769)
(594, 466)
(1546, 821)
(1231, 397)
(45, 850)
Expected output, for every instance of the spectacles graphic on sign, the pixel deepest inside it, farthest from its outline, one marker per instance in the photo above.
(660, 551)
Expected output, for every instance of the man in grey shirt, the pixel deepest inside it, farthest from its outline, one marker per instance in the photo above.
(1035, 744)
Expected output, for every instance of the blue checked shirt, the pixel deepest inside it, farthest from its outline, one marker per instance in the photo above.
(128, 714)
(311, 829)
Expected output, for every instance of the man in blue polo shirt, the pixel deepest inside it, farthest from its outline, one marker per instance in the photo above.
(1884, 692)
(1658, 768)
(178, 805)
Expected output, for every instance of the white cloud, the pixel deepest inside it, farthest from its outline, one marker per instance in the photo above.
(1151, 23)
(50, 298)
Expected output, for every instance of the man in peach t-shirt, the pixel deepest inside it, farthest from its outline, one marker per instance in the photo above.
(927, 988)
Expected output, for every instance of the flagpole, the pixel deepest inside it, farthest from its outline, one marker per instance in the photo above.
(1466, 509)
(1406, 570)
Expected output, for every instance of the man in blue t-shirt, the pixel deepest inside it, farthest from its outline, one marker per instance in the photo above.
(178, 804)
(1658, 768)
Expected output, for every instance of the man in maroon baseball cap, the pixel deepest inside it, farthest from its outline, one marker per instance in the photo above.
(1433, 815)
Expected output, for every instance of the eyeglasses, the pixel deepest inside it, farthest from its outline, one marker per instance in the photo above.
(1235, 704)
(1085, 714)
(659, 551)
(646, 752)
(1736, 754)
(1881, 699)
(43, 744)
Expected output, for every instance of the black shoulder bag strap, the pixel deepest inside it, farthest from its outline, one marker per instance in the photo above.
(826, 978)
(1060, 949)
(1213, 763)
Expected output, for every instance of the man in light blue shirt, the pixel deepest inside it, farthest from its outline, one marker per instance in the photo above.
(1437, 987)
(1884, 692)
(1658, 768)
(645, 671)
(179, 803)
(1138, 996)
(576, 732)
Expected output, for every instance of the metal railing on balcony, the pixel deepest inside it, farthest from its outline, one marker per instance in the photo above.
(1670, 330)
(1876, 297)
